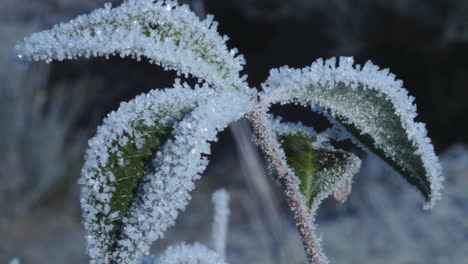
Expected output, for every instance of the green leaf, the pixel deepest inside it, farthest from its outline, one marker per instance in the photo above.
(322, 169)
(375, 110)
(142, 162)
(167, 34)
(121, 154)
(129, 166)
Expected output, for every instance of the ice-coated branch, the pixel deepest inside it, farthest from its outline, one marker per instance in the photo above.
(267, 141)
(162, 31)
(372, 106)
(220, 200)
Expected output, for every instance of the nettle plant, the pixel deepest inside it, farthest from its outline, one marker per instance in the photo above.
(142, 163)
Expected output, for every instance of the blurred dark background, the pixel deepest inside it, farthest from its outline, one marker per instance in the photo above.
(49, 111)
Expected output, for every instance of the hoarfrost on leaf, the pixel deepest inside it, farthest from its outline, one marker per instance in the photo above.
(142, 163)
(162, 31)
(321, 169)
(372, 106)
(128, 204)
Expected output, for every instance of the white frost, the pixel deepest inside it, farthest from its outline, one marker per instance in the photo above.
(179, 162)
(162, 31)
(333, 179)
(324, 84)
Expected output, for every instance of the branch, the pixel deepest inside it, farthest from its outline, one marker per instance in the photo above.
(267, 142)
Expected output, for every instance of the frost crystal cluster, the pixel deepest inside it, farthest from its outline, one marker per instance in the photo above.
(309, 153)
(162, 31)
(123, 228)
(373, 105)
(142, 163)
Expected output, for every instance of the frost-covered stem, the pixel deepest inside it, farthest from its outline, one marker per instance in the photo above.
(269, 145)
(220, 222)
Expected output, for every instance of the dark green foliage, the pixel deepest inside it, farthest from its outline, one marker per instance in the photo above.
(377, 112)
(422, 183)
(318, 169)
(136, 161)
(303, 160)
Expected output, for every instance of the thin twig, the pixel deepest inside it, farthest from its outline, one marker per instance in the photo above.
(289, 184)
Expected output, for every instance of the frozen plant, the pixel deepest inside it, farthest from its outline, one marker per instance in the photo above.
(142, 163)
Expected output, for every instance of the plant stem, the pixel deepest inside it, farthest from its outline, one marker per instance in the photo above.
(289, 182)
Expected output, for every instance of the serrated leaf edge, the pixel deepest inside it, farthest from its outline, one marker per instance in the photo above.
(286, 85)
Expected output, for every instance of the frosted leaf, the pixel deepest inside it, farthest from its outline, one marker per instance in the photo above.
(321, 169)
(162, 31)
(374, 108)
(140, 166)
(190, 254)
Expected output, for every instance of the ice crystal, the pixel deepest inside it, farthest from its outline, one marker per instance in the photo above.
(373, 106)
(162, 31)
(123, 232)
